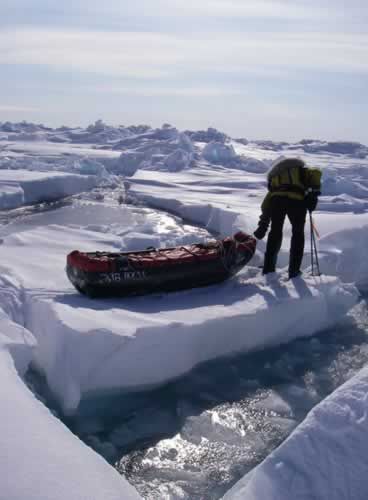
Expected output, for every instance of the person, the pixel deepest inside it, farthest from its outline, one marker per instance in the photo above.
(293, 189)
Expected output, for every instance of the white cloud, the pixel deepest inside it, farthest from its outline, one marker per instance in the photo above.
(155, 55)
(243, 8)
(181, 90)
(5, 108)
(206, 9)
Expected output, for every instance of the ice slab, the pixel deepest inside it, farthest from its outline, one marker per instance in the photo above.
(11, 196)
(90, 347)
(19, 187)
(14, 338)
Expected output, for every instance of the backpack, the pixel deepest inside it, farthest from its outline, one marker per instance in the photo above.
(291, 177)
(312, 180)
(287, 176)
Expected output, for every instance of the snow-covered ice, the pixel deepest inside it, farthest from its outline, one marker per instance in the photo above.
(23, 187)
(40, 457)
(129, 346)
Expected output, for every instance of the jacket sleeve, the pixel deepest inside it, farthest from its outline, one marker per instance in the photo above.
(266, 205)
(311, 201)
(312, 180)
(264, 219)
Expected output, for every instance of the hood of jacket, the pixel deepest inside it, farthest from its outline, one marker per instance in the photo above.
(283, 164)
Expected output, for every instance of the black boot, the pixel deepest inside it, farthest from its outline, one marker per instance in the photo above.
(294, 274)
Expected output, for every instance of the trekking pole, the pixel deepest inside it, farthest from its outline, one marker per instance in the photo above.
(316, 255)
(314, 247)
(311, 242)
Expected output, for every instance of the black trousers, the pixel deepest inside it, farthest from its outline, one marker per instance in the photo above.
(280, 207)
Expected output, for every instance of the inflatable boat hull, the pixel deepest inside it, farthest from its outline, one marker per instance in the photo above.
(103, 274)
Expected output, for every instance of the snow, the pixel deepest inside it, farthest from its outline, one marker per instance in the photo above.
(230, 200)
(87, 349)
(209, 135)
(128, 163)
(65, 468)
(41, 458)
(344, 253)
(178, 160)
(19, 187)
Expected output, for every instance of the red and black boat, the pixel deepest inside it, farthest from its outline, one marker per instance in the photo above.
(104, 274)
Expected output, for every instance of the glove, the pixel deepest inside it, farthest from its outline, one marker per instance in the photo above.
(260, 232)
(311, 201)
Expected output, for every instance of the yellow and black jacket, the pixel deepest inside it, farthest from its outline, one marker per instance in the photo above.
(291, 178)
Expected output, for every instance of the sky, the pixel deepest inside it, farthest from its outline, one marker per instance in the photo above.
(259, 69)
